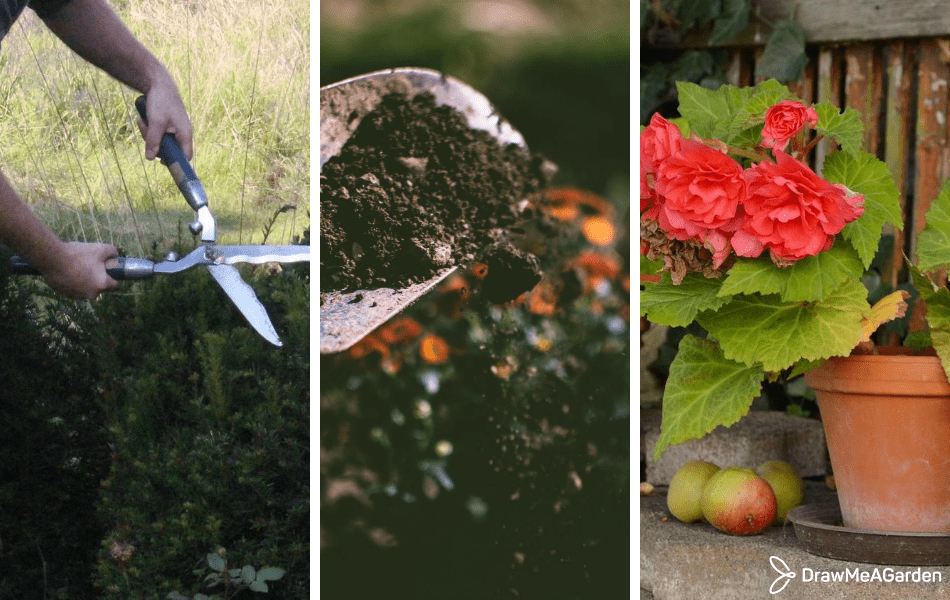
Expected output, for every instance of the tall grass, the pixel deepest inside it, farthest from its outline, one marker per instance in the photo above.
(69, 144)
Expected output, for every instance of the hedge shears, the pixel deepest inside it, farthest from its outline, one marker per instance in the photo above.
(218, 260)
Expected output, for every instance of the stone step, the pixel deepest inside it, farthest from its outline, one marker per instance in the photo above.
(680, 561)
(756, 438)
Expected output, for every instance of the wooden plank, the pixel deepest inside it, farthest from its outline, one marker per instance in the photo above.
(739, 72)
(933, 75)
(931, 147)
(734, 72)
(853, 20)
(897, 130)
(804, 88)
(748, 65)
(864, 86)
(828, 90)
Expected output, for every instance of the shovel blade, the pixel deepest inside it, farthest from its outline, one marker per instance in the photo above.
(243, 296)
(346, 318)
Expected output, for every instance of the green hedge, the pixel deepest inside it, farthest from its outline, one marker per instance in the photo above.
(209, 426)
(53, 446)
(149, 429)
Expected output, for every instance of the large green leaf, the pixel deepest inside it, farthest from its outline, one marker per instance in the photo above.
(812, 278)
(753, 276)
(731, 21)
(938, 313)
(801, 367)
(933, 244)
(784, 55)
(704, 390)
(649, 267)
(775, 334)
(710, 112)
(765, 95)
(845, 128)
(677, 305)
(817, 277)
(695, 13)
(865, 174)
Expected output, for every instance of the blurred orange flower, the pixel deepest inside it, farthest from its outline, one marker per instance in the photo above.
(596, 263)
(454, 283)
(399, 330)
(563, 203)
(599, 231)
(479, 270)
(433, 349)
(542, 300)
(367, 346)
(454, 295)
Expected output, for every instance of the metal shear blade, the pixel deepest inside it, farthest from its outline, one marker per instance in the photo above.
(246, 300)
(230, 255)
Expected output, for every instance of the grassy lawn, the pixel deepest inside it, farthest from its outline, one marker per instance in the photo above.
(69, 144)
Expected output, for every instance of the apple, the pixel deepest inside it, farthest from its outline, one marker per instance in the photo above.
(788, 486)
(686, 490)
(738, 502)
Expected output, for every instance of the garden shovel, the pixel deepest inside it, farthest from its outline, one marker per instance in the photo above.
(218, 260)
(345, 318)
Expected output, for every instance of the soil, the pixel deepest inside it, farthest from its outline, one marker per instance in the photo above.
(415, 190)
(511, 272)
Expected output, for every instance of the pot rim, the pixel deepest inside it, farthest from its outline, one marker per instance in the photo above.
(885, 375)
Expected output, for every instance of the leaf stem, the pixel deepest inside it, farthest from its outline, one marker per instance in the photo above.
(727, 149)
(750, 154)
(811, 145)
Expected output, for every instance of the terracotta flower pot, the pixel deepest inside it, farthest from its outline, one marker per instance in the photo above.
(887, 423)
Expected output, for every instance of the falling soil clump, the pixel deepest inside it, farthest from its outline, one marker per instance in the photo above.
(511, 272)
(414, 191)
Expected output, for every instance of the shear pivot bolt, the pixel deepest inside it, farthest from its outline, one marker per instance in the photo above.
(195, 228)
(171, 256)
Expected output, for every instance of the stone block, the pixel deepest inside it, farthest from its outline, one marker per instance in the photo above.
(756, 438)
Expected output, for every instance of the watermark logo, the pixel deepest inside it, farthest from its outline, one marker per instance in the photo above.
(853, 575)
(784, 575)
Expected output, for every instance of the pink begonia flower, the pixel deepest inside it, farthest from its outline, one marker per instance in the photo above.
(783, 121)
(792, 211)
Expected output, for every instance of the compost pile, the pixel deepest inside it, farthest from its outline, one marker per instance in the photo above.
(414, 191)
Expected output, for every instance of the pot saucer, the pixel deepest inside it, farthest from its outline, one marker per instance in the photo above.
(820, 530)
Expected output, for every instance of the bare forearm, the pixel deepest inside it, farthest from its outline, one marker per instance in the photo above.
(24, 232)
(92, 30)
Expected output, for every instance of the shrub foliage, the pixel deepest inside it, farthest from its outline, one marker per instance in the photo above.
(149, 429)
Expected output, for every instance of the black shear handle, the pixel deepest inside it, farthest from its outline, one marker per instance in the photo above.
(118, 267)
(172, 156)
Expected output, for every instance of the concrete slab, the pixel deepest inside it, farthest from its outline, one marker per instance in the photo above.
(680, 561)
(756, 438)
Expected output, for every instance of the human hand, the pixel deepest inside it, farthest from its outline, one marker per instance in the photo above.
(81, 272)
(166, 114)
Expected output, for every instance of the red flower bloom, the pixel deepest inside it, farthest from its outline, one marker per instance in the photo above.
(783, 121)
(792, 212)
(698, 190)
(660, 140)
